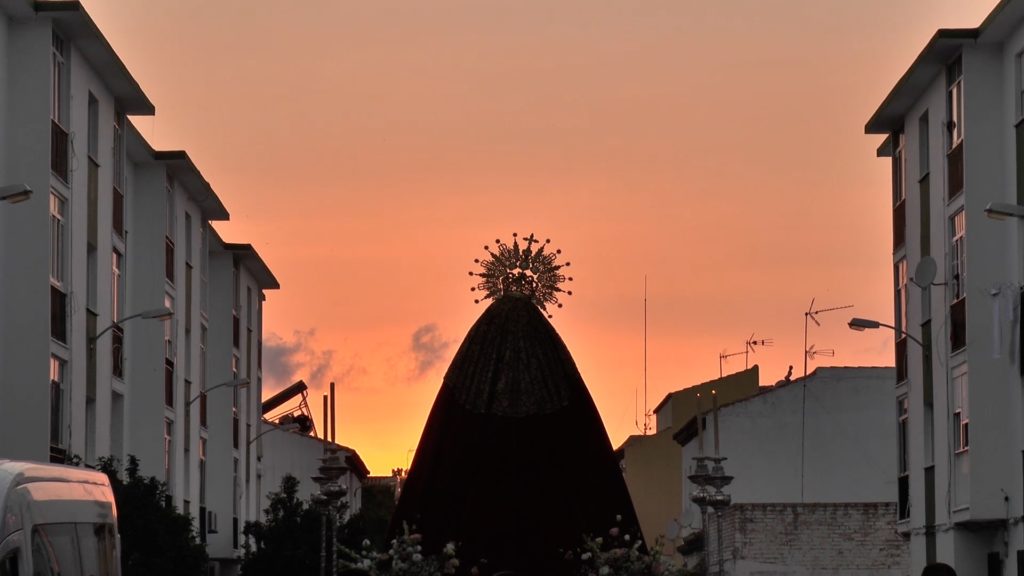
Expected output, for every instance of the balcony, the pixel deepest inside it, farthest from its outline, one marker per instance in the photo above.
(59, 151)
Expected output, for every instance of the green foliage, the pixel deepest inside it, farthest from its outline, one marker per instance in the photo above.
(288, 542)
(156, 539)
(373, 519)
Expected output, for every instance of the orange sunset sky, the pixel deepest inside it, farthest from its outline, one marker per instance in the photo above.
(368, 150)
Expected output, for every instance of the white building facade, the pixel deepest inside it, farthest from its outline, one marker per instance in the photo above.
(826, 439)
(955, 137)
(114, 232)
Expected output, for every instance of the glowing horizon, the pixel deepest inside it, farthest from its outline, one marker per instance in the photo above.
(369, 151)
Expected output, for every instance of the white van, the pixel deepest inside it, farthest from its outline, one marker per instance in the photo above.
(56, 520)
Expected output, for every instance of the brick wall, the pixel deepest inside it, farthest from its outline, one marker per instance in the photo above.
(856, 539)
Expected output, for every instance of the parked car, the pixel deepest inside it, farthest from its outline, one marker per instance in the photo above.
(56, 520)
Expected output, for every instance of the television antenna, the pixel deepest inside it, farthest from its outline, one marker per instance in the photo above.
(811, 315)
(723, 356)
(812, 353)
(647, 414)
(752, 345)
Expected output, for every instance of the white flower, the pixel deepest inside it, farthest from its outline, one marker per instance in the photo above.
(604, 571)
(626, 537)
(366, 543)
(417, 557)
(449, 548)
(618, 517)
(585, 556)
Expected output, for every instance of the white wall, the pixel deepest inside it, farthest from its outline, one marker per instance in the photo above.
(848, 441)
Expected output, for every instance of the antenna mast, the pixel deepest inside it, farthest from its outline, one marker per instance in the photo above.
(810, 314)
(647, 415)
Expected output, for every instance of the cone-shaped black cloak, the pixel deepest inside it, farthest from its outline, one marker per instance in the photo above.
(514, 464)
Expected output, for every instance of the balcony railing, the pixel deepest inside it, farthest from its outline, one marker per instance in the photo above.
(58, 150)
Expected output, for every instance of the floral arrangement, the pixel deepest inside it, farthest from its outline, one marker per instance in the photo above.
(404, 558)
(617, 553)
(622, 554)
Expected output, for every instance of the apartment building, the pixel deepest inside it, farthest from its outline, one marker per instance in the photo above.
(127, 325)
(955, 138)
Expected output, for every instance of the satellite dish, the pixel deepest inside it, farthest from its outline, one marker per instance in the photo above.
(924, 274)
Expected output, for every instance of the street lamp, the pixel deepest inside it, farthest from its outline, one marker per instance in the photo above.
(1000, 210)
(239, 383)
(861, 324)
(14, 193)
(154, 314)
(284, 428)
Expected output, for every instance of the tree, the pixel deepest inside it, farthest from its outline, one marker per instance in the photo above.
(372, 521)
(288, 542)
(156, 539)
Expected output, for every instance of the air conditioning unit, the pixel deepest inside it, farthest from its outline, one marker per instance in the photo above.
(211, 522)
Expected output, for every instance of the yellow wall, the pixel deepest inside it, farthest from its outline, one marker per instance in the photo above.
(653, 465)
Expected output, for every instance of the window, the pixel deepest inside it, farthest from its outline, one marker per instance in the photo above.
(903, 464)
(235, 501)
(961, 412)
(188, 425)
(899, 193)
(118, 157)
(236, 296)
(1019, 70)
(58, 263)
(958, 256)
(955, 127)
(94, 127)
(169, 354)
(58, 108)
(57, 79)
(901, 296)
(57, 388)
(168, 450)
(58, 246)
(955, 101)
(204, 266)
(202, 471)
(9, 564)
(923, 146)
(116, 286)
(234, 401)
(169, 233)
(202, 377)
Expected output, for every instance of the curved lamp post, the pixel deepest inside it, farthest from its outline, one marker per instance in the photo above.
(14, 193)
(861, 324)
(238, 383)
(162, 313)
(284, 428)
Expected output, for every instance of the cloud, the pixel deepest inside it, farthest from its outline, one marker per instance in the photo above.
(288, 360)
(428, 348)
